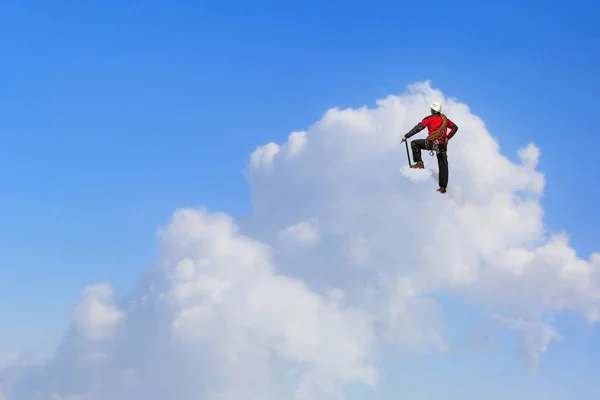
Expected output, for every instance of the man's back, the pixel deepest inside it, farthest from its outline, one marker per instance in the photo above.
(433, 122)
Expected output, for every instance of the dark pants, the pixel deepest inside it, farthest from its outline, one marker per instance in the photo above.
(421, 144)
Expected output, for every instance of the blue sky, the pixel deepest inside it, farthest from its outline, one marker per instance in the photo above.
(115, 115)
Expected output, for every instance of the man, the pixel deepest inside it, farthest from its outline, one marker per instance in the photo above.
(437, 140)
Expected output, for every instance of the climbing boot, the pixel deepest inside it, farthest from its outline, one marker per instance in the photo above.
(418, 165)
(442, 190)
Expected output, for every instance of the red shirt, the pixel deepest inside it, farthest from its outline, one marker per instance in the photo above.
(433, 122)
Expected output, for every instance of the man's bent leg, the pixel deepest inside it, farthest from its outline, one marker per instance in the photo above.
(417, 145)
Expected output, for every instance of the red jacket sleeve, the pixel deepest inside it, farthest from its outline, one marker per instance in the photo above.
(453, 128)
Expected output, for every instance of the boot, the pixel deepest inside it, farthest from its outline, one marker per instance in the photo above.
(418, 165)
(442, 190)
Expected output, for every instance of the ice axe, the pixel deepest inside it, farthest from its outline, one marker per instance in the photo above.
(407, 153)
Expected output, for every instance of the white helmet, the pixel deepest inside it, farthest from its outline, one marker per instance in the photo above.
(437, 107)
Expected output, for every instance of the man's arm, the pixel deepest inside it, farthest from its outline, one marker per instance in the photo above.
(453, 129)
(416, 129)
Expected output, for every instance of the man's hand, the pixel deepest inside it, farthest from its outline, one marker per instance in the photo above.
(403, 139)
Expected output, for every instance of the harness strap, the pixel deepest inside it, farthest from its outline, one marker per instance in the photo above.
(435, 148)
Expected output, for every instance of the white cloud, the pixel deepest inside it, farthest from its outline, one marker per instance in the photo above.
(534, 338)
(233, 315)
(263, 156)
(227, 292)
(303, 233)
(414, 322)
(96, 316)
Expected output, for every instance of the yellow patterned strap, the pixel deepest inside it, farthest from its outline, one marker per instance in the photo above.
(440, 131)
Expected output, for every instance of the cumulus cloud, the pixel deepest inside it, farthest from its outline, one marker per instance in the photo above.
(226, 291)
(97, 316)
(236, 310)
(303, 233)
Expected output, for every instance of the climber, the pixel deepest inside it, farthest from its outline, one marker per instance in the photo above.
(436, 141)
